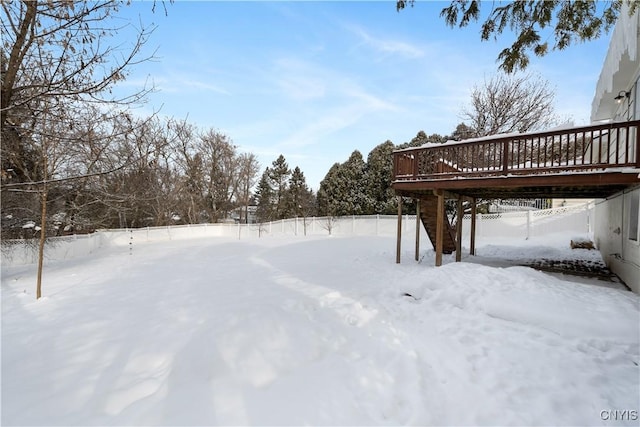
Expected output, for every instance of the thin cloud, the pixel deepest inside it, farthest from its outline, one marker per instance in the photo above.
(326, 101)
(302, 88)
(300, 80)
(335, 120)
(387, 46)
(178, 83)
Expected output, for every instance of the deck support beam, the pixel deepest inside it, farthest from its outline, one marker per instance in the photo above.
(417, 229)
(459, 215)
(472, 237)
(439, 227)
(399, 230)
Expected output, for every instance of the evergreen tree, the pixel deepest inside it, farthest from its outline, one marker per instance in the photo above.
(279, 177)
(378, 179)
(440, 139)
(264, 197)
(354, 181)
(328, 193)
(301, 199)
(534, 23)
(343, 191)
(422, 138)
(463, 132)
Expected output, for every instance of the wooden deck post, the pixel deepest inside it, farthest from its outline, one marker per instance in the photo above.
(637, 144)
(459, 215)
(399, 231)
(472, 238)
(439, 227)
(417, 229)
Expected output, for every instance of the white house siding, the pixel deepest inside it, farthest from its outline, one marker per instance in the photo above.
(611, 235)
(619, 70)
(620, 74)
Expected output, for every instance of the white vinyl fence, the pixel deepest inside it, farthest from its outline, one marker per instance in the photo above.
(517, 225)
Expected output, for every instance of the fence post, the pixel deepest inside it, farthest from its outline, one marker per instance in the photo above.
(399, 230)
(472, 235)
(528, 225)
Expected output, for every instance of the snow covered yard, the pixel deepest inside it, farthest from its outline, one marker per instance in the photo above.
(320, 331)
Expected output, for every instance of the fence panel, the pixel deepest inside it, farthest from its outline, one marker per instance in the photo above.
(516, 225)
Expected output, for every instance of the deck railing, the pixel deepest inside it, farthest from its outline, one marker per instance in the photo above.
(599, 147)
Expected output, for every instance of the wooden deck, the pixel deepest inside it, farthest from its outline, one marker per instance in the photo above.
(585, 162)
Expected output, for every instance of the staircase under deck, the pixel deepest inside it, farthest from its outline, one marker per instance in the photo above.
(586, 162)
(428, 217)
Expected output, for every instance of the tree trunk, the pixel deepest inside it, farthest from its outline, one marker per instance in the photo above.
(43, 236)
(18, 51)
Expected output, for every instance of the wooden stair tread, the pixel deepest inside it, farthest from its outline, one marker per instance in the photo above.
(428, 217)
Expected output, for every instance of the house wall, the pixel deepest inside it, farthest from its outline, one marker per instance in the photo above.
(620, 69)
(620, 75)
(621, 254)
(611, 235)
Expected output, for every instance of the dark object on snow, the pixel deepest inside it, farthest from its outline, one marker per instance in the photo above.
(582, 244)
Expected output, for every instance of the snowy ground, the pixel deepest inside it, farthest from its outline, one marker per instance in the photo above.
(320, 331)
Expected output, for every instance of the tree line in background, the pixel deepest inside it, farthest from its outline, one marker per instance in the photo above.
(160, 172)
(74, 158)
(108, 170)
(502, 104)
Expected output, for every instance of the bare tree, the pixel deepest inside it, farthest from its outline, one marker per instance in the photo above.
(56, 60)
(328, 223)
(60, 49)
(144, 192)
(222, 172)
(249, 169)
(190, 172)
(510, 103)
(213, 177)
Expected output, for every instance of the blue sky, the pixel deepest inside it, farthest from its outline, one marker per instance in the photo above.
(316, 80)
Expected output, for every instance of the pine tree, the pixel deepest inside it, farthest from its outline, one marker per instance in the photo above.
(343, 191)
(354, 179)
(279, 177)
(264, 196)
(301, 200)
(378, 179)
(328, 193)
(462, 132)
(534, 23)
